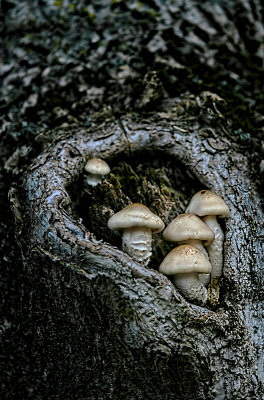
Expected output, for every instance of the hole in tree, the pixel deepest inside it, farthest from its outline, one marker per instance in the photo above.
(163, 185)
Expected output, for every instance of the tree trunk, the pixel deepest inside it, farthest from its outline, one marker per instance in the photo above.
(82, 320)
(112, 328)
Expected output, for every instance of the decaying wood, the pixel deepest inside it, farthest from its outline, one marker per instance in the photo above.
(122, 330)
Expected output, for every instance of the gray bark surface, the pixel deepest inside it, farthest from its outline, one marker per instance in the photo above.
(130, 334)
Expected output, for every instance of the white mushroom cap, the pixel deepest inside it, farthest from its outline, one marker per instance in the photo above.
(97, 166)
(188, 226)
(206, 202)
(136, 214)
(185, 259)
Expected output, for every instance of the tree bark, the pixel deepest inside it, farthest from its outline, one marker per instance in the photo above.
(112, 328)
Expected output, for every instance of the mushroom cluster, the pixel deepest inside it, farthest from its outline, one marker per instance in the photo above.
(199, 254)
(189, 229)
(194, 233)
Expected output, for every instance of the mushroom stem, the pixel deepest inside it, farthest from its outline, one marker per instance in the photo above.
(203, 278)
(137, 242)
(215, 249)
(93, 179)
(190, 287)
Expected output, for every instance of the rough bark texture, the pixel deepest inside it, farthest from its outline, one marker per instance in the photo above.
(124, 328)
(140, 84)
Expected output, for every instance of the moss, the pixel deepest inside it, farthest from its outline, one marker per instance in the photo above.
(126, 312)
(58, 3)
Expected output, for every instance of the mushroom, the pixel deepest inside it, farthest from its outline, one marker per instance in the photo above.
(138, 224)
(208, 204)
(184, 263)
(189, 229)
(96, 168)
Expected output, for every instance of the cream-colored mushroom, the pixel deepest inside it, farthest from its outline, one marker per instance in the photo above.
(189, 229)
(208, 204)
(138, 224)
(96, 168)
(185, 262)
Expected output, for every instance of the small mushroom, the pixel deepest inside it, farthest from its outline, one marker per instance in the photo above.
(189, 229)
(96, 168)
(208, 204)
(185, 262)
(138, 224)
